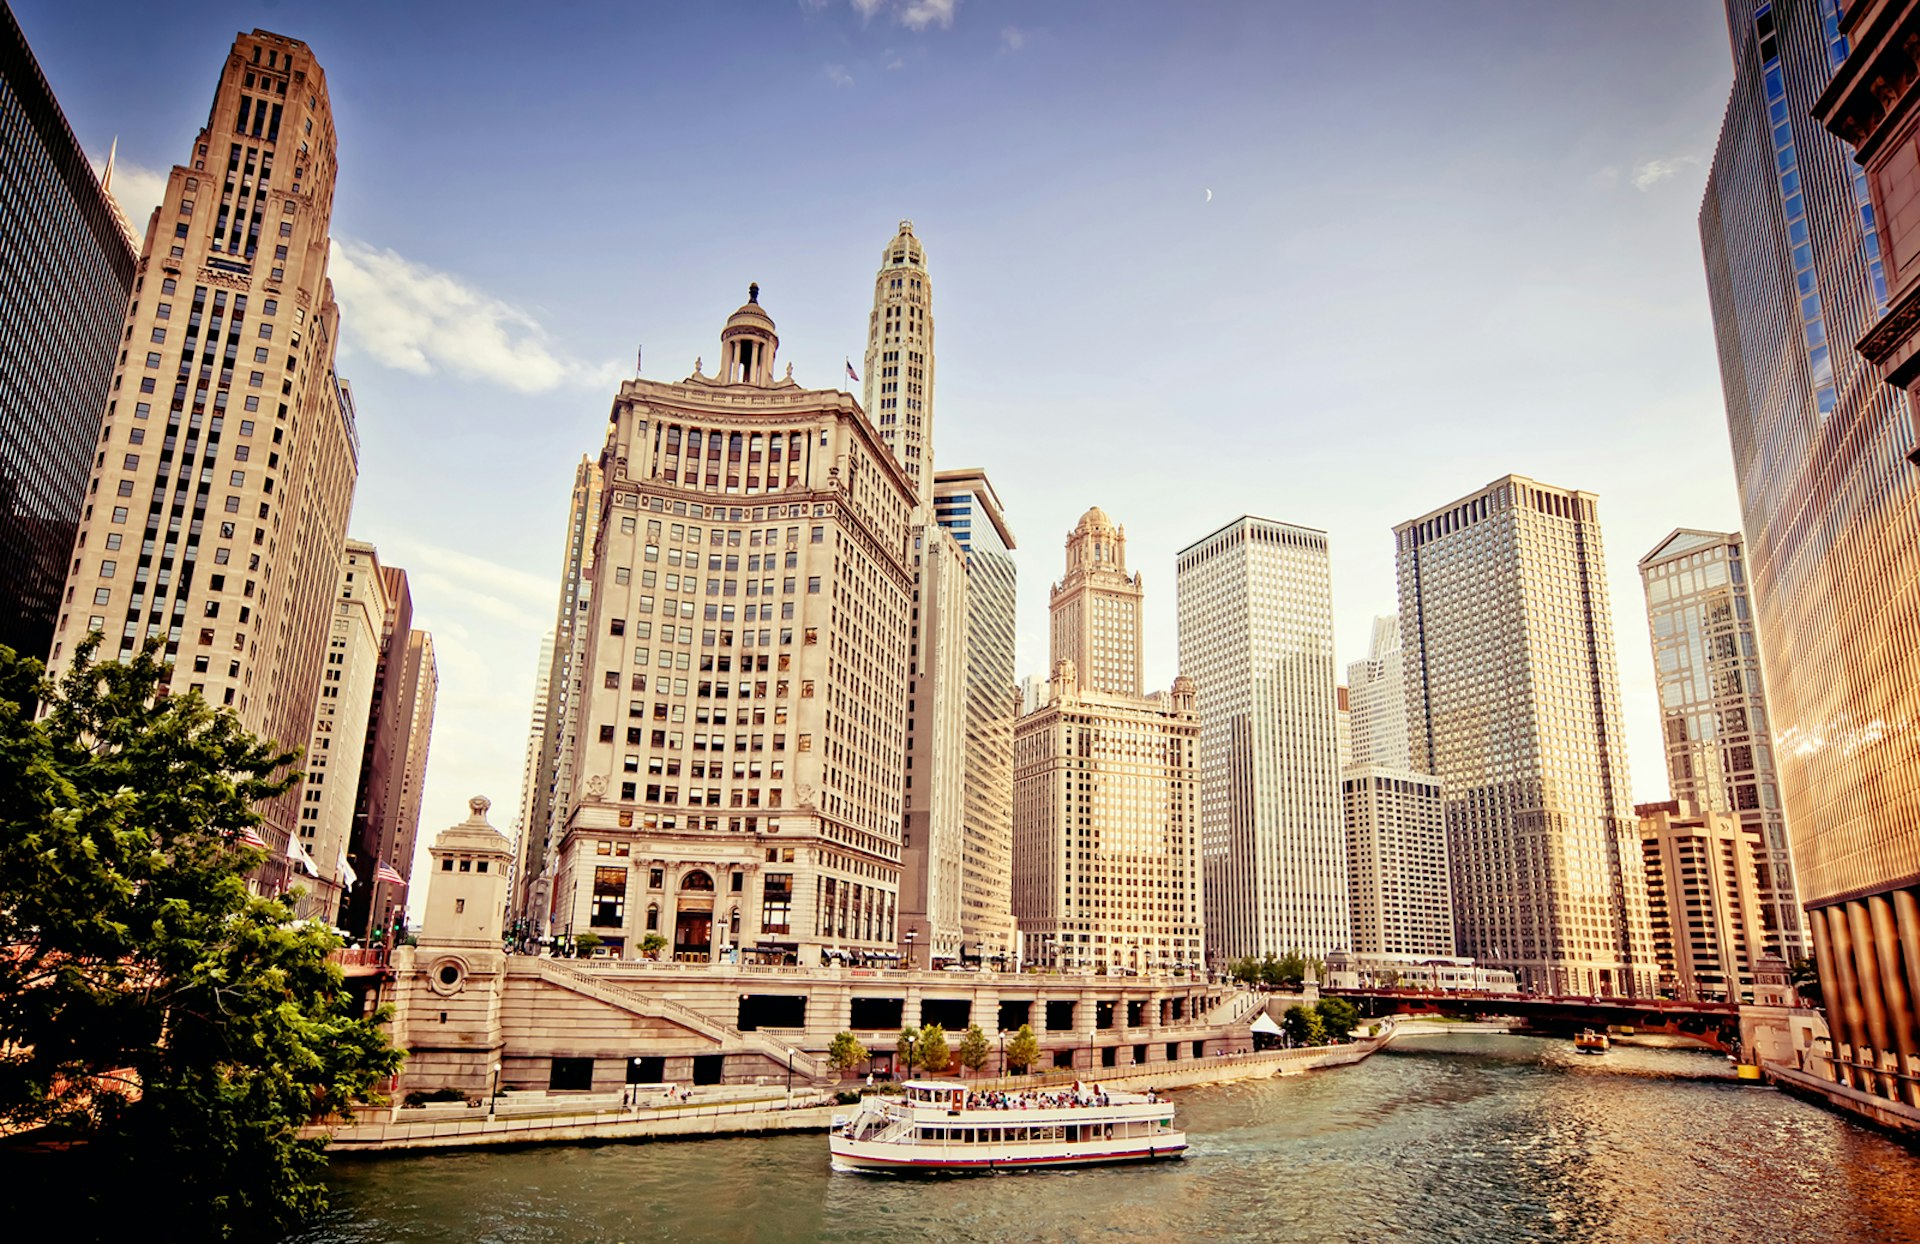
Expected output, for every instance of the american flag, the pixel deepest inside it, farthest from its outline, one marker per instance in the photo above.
(387, 873)
(852, 374)
(247, 838)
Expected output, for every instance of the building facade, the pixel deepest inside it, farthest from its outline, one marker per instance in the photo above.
(1704, 899)
(966, 505)
(898, 392)
(742, 742)
(1093, 613)
(1106, 830)
(386, 815)
(1514, 701)
(63, 299)
(1830, 505)
(1256, 636)
(227, 454)
(1401, 887)
(1713, 706)
(559, 710)
(526, 842)
(933, 844)
(1377, 691)
(338, 746)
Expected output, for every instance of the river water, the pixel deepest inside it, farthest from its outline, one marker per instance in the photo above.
(1456, 1138)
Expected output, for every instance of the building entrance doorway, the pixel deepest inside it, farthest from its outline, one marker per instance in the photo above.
(693, 936)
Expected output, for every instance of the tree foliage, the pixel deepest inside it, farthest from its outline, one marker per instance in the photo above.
(1302, 1024)
(906, 1052)
(934, 1055)
(846, 1053)
(170, 1030)
(974, 1050)
(652, 944)
(1338, 1017)
(1023, 1048)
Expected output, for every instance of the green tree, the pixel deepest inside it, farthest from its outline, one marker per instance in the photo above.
(974, 1050)
(652, 944)
(170, 1030)
(906, 1051)
(1290, 972)
(584, 944)
(1023, 1049)
(1806, 980)
(1303, 1025)
(934, 1054)
(1338, 1017)
(846, 1053)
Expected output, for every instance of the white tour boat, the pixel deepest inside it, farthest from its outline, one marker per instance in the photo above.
(942, 1125)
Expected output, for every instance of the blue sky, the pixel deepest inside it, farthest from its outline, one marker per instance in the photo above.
(1446, 241)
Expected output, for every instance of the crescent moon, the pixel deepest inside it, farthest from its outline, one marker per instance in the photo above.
(1209, 196)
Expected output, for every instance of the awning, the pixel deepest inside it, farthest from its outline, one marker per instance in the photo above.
(1265, 1024)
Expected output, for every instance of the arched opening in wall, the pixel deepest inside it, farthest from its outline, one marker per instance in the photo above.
(693, 919)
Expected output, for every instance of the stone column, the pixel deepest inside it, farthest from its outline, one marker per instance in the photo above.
(1866, 968)
(1846, 1005)
(1893, 992)
(1827, 963)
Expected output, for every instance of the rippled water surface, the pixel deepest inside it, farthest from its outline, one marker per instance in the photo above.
(1461, 1138)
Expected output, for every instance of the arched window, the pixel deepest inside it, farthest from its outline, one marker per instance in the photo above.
(653, 917)
(697, 881)
(733, 923)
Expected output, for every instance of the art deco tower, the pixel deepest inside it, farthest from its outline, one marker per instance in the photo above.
(217, 508)
(1094, 611)
(898, 393)
(1514, 703)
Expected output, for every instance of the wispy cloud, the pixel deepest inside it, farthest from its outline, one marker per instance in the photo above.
(139, 190)
(838, 75)
(1014, 39)
(920, 14)
(1651, 173)
(466, 585)
(913, 14)
(417, 319)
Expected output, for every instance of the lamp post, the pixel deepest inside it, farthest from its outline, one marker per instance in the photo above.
(910, 934)
(1003, 1053)
(790, 1053)
(493, 1097)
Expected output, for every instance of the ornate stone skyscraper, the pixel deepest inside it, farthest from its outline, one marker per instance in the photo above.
(1106, 817)
(227, 452)
(742, 751)
(1514, 702)
(898, 393)
(1093, 617)
(1256, 636)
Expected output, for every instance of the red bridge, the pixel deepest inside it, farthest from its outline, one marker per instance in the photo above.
(1715, 1024)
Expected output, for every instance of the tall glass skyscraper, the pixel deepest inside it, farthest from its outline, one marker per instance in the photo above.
(66, 269)
(966, 505)
(1831, 507)
(1714, 722)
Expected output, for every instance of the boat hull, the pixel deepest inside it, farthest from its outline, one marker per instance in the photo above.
(930, 1159)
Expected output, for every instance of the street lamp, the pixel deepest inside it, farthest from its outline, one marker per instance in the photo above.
(1003, 1053)
(493, 1098)
(790, 1055)
(910, 934)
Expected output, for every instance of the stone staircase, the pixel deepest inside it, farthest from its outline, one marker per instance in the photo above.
(655, 1007)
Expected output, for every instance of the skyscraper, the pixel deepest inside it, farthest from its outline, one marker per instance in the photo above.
(933, 845)
(1703, 899)
(967, 506)
(742, 749)
(1106, 827)
(1256, 636)
(1514, 702)
(898, 393)
(1830, 504)
(1377, 691)
(340, 726)
(1713, 707)
(1093, 613)
(64, 287)
(1397, 864)
(227, 448)
(553, 772)
(527, 841)
(386, 814)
